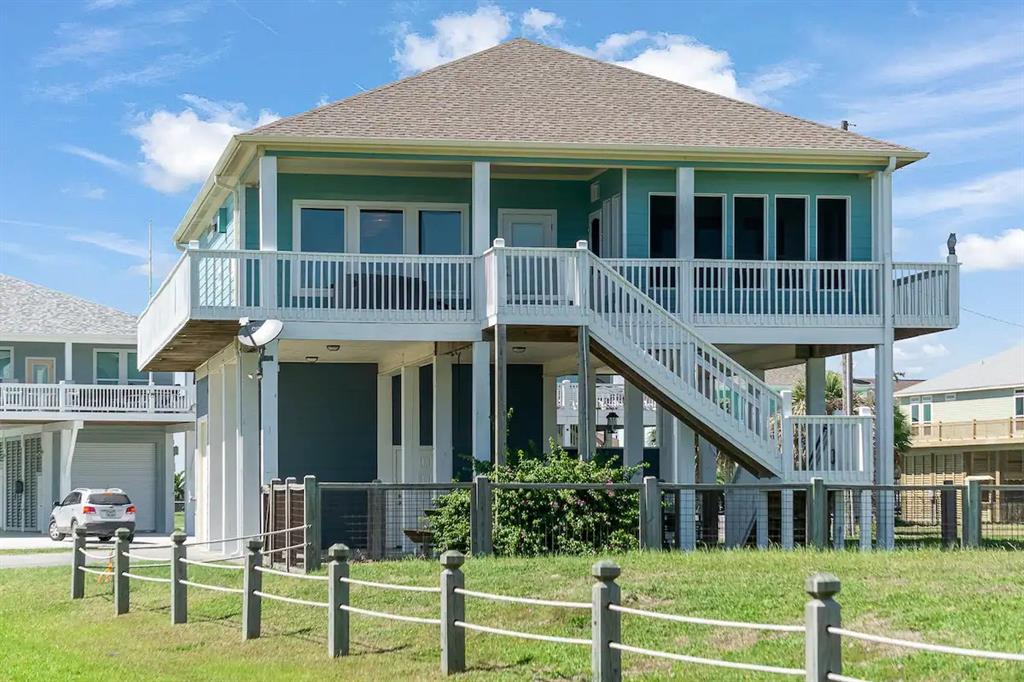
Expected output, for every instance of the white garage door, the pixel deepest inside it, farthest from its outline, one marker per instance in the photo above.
(129, 466)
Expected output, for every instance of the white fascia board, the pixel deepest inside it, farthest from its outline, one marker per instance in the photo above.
(118, 339)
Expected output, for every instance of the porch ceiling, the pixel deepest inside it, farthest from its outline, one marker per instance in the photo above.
(194, 344)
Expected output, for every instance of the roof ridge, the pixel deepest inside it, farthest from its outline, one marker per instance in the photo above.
(67, 295)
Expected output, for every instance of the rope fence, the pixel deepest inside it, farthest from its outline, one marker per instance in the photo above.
(822, 627)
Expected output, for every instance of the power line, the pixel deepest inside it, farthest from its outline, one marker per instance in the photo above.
(992, 317)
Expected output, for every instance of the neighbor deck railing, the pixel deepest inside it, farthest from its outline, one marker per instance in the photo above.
(929, 433)
(110, 399)
(821, 626)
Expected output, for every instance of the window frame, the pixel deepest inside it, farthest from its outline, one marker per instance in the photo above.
(122, 367)
(849, 225)
(764, 226)
(31, 359)
(1018, 395)
(807, 225)
(724, 197)
(410, 221)
(651, 195)
(10, 365)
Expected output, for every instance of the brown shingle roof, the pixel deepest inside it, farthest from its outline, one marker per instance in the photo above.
(523, 92)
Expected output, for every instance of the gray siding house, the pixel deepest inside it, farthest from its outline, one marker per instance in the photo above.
(76, 411)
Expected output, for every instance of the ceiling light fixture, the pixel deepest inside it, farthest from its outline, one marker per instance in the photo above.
(333, 347)
(518, 349)
(312, 358)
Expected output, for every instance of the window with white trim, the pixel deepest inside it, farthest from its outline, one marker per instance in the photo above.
(6, 364)
(112, 366)
(921, 410)
(1018, 402)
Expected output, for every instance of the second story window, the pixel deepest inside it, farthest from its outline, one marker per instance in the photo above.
(662, 223)
(833, 228)
(748, 224)
(440, 232)
(381, 231)
(921, 410)
(708, 226)
(1018, 403)
(6, 364)
(117, 366)
(791, 228)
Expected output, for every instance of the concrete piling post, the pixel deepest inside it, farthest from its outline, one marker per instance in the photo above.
(605, 624)
(252, 583)
(179, 572)
(822, 648)
(77, 562)
(453, 608)
(121, 566)
(337, 596)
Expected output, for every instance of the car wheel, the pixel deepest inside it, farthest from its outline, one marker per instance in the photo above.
(55, 534)
(105, 538)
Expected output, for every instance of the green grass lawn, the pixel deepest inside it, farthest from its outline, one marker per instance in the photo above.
(973, 599)
(43, 550)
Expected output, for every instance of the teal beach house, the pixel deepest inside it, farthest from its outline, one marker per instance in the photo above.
(446, 250)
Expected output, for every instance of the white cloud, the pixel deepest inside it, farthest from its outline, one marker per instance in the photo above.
(455, 35)
(85, 190)
(1002, 252)
(538, 22)
(975, 198)
(80, 43)
(946, 60)
(94, 156)
(181, 148)
(675, 57)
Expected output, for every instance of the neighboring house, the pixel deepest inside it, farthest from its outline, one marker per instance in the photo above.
(970, 422)
(492, 217)
(75, 410)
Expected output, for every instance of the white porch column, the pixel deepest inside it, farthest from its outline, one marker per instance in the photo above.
(500, 393)
(481, 419)
(229, 449)
(814, 383)
(68, 374)
(247, 434)
(684, 213)
(409, 472)
(385, 445)
(884, 368)
(481, 210)
(215, 433)
(166, 525)
(443, 444)
(633, 424)
(549, 406)
(45, 496)
(586, 435)
(268, 203)
(190, 481)
(269, 413)
(684, 470)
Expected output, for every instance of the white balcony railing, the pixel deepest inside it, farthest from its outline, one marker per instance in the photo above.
(835, 447)
(22, 400)
(608, 397)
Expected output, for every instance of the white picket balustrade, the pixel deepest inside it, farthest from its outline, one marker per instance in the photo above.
(926, 295)
(96, 399)
(834, 447)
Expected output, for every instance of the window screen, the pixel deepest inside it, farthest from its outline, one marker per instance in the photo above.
(832, 229)
(108, 367)
(663, 226)
(440, 232)
(707, 227)
(323, 230)
(790, 235)
(6, 363)
(749, 225)
(381, 231)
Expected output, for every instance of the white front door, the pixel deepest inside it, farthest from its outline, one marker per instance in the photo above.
(528, 228)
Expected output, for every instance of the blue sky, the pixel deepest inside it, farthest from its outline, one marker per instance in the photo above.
(113, 112)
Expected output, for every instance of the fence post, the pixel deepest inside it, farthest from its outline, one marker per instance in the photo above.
(274, 521)
(605, 624)
(823, 649)
(947, 514)
(786, 507)
(288, 523)
(121, 566)
(817, 514)
(376, 503)
(179, 572)
(252, 582)
(480, 517)
(337, 596)
(650, 514)
(311, 520)
(839, 519)
(972, 512)
(453, 608)
(865, 520)
(77, 562)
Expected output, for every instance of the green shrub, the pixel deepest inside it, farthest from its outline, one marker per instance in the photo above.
(533, 522)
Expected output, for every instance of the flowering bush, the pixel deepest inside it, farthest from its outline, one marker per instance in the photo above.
(532, 522)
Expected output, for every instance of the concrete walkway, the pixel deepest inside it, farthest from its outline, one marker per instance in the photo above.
(48, 557)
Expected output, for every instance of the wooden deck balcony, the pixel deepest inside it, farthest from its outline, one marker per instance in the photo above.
(96, 402)
(1008, 431)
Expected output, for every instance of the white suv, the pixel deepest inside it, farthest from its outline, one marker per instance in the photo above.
(99, 512)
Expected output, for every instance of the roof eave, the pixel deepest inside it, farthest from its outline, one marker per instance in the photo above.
(209, 187)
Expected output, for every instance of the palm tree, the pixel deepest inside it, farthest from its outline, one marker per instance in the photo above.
(833, 395)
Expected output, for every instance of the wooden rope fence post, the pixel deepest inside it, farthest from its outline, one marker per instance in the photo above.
(453, 608)
(311, 520)
(817, 514)
(337, 596)
(252, 582)
(823, 649)
(179, 572)
(481, 517)
(77, 562)
(605, 624)
(121, 566)
(650, 514)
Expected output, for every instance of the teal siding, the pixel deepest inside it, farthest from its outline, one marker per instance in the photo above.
(211, 238)
(609, 184)
(858, 187)
(23, 350)
(569, 198)
(252, 218)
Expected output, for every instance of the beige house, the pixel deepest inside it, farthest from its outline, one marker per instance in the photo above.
(969, 422)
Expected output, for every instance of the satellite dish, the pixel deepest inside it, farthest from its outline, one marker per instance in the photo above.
(256, 334)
